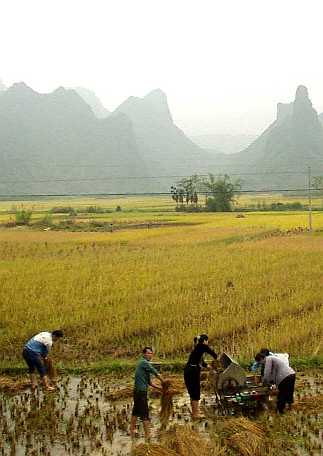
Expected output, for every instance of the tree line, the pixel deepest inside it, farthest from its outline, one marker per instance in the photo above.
(217, 193)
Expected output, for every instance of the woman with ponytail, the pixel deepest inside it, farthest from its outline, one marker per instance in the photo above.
(192, 370)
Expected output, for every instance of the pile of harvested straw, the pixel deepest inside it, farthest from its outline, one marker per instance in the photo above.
(241, 424)
(180, 441)
(13, 385)
(246, 443)
(186, 442)
(120, 393)
(247, 437)
(145, 449)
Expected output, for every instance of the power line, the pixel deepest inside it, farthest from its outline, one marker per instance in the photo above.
(102, 179)
(60, 195)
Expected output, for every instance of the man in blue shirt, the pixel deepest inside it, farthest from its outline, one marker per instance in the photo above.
(35, 354)
(144, 371)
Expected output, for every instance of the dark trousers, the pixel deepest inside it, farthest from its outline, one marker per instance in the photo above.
(34, 361)
(285, 392)
(192, 381)
(140, 405)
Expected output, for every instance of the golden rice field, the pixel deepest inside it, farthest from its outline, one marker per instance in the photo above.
(149, 204)
(112, 293)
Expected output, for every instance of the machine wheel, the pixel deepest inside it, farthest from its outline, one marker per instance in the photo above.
(228, 385)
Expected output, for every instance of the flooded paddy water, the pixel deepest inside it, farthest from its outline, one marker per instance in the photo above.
(90, 415)
(85, 415)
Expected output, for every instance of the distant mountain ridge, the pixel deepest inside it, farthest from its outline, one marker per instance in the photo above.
(93, 101)
(55, 143)
(165, 148)
(56, 137)
(290, 144)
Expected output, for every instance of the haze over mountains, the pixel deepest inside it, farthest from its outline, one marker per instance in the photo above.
(56, 138)
(226, 144)
(165, 148)
(93, 101)
(290, 144)
(68, 142)
(54, 143)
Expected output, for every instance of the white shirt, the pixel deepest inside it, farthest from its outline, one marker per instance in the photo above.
(45, 338)
(276, 370)
(283, 356)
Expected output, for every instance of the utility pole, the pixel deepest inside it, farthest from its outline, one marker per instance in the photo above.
(310, 226)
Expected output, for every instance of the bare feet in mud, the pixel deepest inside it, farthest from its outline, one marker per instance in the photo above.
(134, 435)
(50, 388)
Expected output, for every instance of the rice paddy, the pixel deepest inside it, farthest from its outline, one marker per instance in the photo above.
(113, 292)
(159, 278)
(86, 416)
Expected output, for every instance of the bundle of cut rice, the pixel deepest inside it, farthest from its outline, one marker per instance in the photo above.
(186, 442)
(180, 441)
(13, 385)
(166, 402)
(177, 385)
(244, 435)
(144, 449)
(246, 443)
(240, 424)
(120, 393)
(51, 371)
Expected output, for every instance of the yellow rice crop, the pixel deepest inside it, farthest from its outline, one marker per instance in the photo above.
(112, 293)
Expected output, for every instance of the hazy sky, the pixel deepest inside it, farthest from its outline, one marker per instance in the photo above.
(223, 64)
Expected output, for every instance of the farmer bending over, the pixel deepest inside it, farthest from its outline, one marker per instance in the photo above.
(279, 373)
(192, 370)
(143, 373)
(35, 354)
(265, 351)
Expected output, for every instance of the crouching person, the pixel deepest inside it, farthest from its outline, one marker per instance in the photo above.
(279, 373)
(35, 354)
(144, 371)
